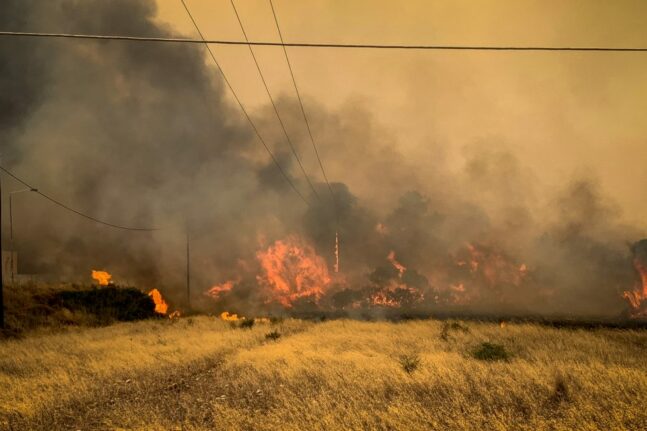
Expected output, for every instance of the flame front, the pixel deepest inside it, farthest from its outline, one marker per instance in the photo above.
(161, 306)
(102, 277)
(292, 270)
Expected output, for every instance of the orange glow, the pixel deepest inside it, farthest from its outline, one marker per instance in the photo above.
(102, 277)
(161, 306)
(637, 297)
(292, 270)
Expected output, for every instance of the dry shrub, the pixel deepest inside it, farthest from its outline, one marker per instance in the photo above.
(246, 324)
(452, 326)
(410, 363)
(273, 335)
(490, 352)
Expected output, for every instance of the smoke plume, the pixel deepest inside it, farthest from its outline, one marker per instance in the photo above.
(145, 134)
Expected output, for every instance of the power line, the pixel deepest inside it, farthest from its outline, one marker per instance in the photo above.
(276, 111)
(77, 212)
(303, 111)
(242, 108)
(322, 45)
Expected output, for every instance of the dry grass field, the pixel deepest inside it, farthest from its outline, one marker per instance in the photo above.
(201, 373)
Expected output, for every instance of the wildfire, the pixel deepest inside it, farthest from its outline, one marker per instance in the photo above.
(102, 277)
(395, 292)
(494, 267)
(292, 270)
(637, 297)
(161, 306)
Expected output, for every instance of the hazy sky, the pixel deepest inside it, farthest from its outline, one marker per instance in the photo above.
(563, 114)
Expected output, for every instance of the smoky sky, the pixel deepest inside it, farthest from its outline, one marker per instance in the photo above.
(147, 135)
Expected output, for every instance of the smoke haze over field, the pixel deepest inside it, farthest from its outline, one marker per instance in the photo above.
(146, 135)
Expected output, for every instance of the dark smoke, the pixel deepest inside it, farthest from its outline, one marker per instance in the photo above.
(145, 135)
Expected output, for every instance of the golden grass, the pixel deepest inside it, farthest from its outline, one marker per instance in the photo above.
(334, 375)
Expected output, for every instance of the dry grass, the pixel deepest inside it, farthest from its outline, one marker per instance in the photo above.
(332, 375)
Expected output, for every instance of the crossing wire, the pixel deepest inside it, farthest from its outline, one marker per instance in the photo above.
(242, 108)
(276, 111)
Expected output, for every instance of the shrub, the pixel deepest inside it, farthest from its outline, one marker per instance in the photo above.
(453, 326)
(107, 304)
(490, 352)
(247, 323)
(410, 363)
(273, 335)
(560, 390)
(276, 320)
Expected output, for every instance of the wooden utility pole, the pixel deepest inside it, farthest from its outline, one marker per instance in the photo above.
(188, 271)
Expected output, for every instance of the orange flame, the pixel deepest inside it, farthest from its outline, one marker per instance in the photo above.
(637, 297)
(292, 270)
(161, 306)
(226, 316)
(221, 288)
(102, 277)
(397, 265)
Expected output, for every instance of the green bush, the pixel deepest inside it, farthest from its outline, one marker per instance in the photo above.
(490, 352)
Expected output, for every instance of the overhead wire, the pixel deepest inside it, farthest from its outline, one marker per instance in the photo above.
(276, 111)
(303, 112)
(242, 107)
(312, 140)
(69, 208)
(321, 45)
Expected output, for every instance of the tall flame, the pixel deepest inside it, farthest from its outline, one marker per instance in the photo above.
(637, 297)
(102, 277)
(219, 289)
(161, 306)
(292, 270)
(397, 265)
